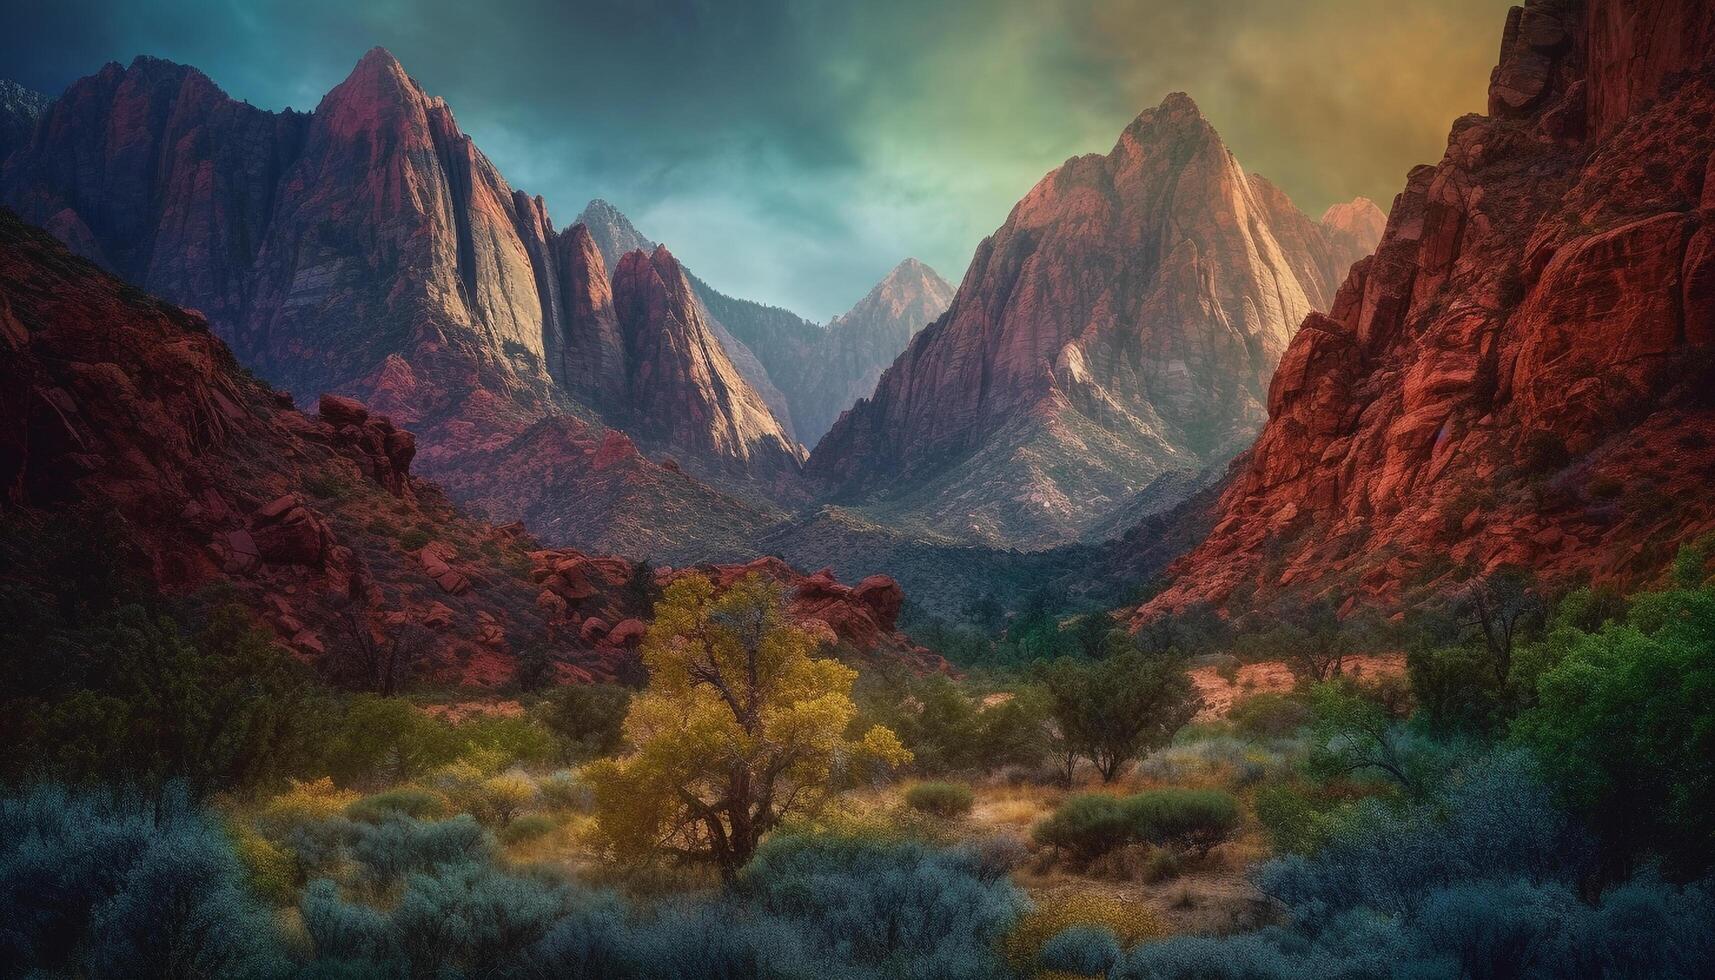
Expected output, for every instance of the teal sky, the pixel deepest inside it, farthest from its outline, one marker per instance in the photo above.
(792, 151)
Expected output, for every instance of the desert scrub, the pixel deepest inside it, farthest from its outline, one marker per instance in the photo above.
(410, 801)
(1087, 826)
(563, 790)
(1129, 921)
(1189, 820)
(527, 828)
(413, 539)
(1082, 951)
(1270, 715)
(307, 802)
(269, 869)
(940, 799)
(1093, 824)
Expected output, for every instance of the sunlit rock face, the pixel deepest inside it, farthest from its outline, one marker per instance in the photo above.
(1122, 324)
(1522, 372)
(368, 248)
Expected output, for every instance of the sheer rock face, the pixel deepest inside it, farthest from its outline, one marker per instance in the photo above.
(683, 389)
(154, 173)
(1521, 373)
(1122, 323)
(129, 411)
(393, 233)
(367, 248)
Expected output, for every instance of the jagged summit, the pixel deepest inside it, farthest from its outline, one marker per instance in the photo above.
(1122, 323)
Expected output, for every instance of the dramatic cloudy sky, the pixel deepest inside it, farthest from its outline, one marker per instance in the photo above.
(794, 150)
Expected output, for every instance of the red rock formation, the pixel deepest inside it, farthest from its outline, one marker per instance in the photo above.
(1356, 225)
(862, 618)
(367, 248)
(682, 389)
(1521, 374)
(591, 351)
(115, 401)
(1122, 323)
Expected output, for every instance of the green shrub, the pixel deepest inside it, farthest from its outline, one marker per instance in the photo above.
(587, 720)
(1081, 950)
(1164, 864)
(1087, 825)
(563, 790)
(1270, 715)
(940, 799)
(413, 539)
(496, 742)
(1294, 821)
(1190, 820)
(406, 800)
(527, 828)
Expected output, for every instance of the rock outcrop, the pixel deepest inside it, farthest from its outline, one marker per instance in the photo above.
(129, 412)
(1521, 375)
(367, 248)
(1124, 322)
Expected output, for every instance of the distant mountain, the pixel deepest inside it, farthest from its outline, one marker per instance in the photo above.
(807, 373)
(613, 232)
(19, 109)
(1523, 372)
(862, 342)
(369, 248)
(1122, 324)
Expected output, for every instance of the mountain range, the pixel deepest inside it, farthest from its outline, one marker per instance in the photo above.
(1156, 353)
(808, 374)
(127, 426)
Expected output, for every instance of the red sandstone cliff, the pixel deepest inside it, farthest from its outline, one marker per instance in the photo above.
(129, 409)
(683, 390)
(367, 248)
(1122, 323)
(1523, 371)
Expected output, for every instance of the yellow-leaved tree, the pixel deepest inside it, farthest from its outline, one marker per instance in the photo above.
(740, 726)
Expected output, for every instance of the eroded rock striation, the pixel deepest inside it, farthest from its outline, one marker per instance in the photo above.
(1122, 323)
(683, 389)
(128, 414)
(367, 248)
(1522, 374)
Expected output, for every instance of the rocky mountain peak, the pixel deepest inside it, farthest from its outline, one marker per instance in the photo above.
(613, 232)
(1358, 219)
(684, 390)
(1122, 323)
(19, 109)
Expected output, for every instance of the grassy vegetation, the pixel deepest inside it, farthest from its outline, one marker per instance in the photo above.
(1528, 796)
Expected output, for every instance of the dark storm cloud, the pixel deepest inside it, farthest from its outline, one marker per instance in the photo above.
(793, 151)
